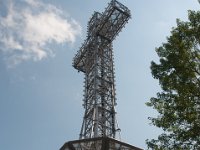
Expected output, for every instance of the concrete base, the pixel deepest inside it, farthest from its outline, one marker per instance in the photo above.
(102, 143)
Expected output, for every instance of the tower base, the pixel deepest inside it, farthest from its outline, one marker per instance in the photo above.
(101, 143)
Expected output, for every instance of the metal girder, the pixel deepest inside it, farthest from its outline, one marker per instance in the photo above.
(107, 25)
(95, 60)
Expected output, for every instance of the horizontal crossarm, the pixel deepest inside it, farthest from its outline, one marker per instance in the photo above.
(106, 25)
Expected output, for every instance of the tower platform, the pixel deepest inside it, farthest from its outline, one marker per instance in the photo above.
(100, 143)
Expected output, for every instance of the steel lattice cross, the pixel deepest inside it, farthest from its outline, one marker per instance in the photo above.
(95, 60)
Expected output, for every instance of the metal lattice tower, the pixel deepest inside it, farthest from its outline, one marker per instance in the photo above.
(95, 60)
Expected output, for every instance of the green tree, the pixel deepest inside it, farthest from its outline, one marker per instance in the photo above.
(178, 72)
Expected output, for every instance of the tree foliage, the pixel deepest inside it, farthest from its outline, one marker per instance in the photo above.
(178, 72)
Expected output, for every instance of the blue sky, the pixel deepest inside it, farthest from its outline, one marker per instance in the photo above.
(40, 91)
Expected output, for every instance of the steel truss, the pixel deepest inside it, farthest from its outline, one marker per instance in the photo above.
(95, 60)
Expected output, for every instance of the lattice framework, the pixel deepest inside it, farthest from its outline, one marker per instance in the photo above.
(95, 60)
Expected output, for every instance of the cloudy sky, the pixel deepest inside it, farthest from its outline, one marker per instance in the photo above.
(41, 93)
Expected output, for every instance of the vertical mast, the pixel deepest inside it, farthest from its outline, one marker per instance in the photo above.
(95, 60)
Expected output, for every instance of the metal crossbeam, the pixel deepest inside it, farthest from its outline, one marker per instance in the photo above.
(95, 60)
(106, 25)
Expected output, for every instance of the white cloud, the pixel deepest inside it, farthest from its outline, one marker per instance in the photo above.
(27, 30)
